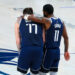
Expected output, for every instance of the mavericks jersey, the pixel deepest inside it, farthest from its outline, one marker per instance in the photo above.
(54, 33)
(31, 33)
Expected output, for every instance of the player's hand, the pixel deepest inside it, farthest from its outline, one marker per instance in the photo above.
(19, 49)
(66, 56)
(26, 16)
(18, 45)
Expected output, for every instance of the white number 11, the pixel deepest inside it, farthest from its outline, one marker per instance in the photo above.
(56, 37)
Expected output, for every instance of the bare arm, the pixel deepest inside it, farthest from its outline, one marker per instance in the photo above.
(66, 43)
(40, 20)
(65, 36)
(43, 34)
(17, 35)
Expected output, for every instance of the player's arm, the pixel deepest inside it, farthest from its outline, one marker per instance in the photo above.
(40, 20)
(17, 34)
(44, 34)
(66, 43)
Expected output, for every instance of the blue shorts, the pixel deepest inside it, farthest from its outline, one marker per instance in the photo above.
(51, 59)
(30, 57)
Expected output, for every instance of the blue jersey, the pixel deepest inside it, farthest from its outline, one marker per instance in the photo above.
(31, 33)
(54, 33)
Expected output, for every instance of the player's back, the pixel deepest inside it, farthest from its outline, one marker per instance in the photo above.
(54, 33)
(31, 33)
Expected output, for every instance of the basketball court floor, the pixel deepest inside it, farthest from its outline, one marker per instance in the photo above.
(11, 9)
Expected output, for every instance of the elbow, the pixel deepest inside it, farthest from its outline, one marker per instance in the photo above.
(30, 17)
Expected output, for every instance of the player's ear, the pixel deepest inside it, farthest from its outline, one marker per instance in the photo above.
(45, 14)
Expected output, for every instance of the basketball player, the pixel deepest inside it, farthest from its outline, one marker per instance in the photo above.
(55, 29)
(29, 42)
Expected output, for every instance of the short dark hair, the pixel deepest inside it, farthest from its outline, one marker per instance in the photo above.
(28, 11)
(48, 8)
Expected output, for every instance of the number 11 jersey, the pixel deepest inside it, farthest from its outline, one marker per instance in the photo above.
(54, 33)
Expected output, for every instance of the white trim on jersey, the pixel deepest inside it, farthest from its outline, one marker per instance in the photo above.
(55, 18)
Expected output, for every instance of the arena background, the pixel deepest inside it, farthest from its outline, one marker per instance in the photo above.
(11, 9)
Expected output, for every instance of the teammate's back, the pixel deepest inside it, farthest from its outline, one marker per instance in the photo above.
(54, 33)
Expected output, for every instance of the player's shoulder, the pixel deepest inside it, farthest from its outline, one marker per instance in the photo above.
(57, 18)
(19, 19)
(53, 18)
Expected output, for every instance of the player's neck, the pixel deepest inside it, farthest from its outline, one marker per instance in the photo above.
(49, 16)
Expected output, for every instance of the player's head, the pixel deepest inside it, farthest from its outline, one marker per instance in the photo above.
(48, 10)
(27, 11)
